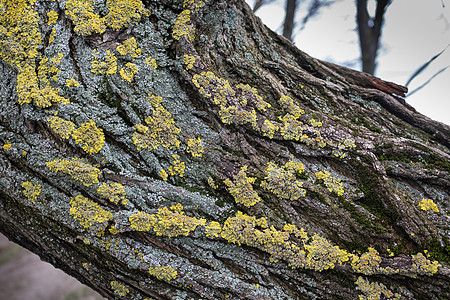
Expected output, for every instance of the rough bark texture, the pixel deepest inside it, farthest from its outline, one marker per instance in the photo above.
(338, 154)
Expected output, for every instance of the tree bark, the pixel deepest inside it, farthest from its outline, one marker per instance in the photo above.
(167, 175)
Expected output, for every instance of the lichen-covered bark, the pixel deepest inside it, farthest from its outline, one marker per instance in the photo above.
(180, 149)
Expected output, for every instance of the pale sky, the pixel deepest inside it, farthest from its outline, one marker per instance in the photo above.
(413, 32)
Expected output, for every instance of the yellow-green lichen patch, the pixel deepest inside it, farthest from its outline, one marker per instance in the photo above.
(52, 36)
(88, 213)
(282, 182)
(211, 183)
(161, 131)
(250, 94)
(7, 145)
(368, 263)
(107, 66)
(114, 192)
(163, 273)
(82, 14)
(332, 184)
(197, 3)
(90, 137)
(322, 255)
(189, 61)
(241, 230)
(52, 17)
(427, 204)
(291, 128)
(128, 71)
(268, 129)
(129, 46)
(163, 174)
(124, 12)
(77, 169)
(287, 103)
(213, 229)
(142, 221)
(241, 188)
(315, 123)
(346, 144)
(72, 82)
(150, 61)
(194, 147)
(181, 27)
(177, 167)
(61, 127)
(423, 266)
(300, 233)
(119, 288)
(155, 101)
(374, 290)
(172, 222)
(31, 190)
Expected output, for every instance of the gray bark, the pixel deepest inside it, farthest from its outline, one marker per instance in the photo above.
(400, 158)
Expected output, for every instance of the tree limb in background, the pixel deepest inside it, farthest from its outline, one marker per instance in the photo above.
(369, 31)
(288, 26)
(260, 3)
(424, 66)
(427, 82)
(314, 9)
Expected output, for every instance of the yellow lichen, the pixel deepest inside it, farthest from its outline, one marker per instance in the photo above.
(291, 128)
(282, 182)
(7, 145)
(62, 127)
(119, 288)
(368, 263)
(128, 71)
(181, 27)
(269, 129)
(150, 61)
(172, 222)
(213, 229)
(423, 266)
(322, 255)
(177, 167)
(249, 94)
(211, 183)
(287, 103)
(142, 221)
(163, 273)
(374, 290)
(161, 131)
(163, 174)
(241, 188)
(52, 36)
(52, 17)
(114, 192)
(72, 82)
(31, 190)
(129, 46)
(189, 61)
(124, 12)
(332, 184)
(194, 146)
(90, 137)
(155, 101)
(82, 14)
(427, 204)
(107, 66)
(77, 169)
(88, 213)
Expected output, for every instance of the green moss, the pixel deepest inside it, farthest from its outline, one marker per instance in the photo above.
(437, 252)
(369, 184)
(361, 121)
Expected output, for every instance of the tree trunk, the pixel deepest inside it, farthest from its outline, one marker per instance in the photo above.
(369, 31)
(289, 24)
(184, 144)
